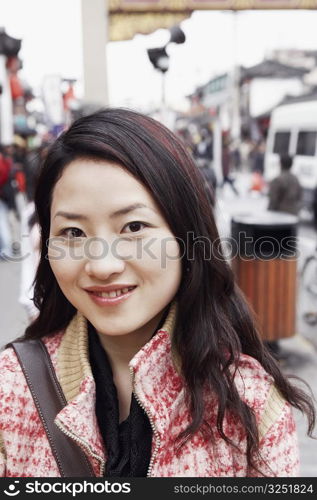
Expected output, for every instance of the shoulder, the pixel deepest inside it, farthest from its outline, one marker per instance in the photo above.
(9, 365)
(290, 177)
(10, 368)
(251, 379)
(294, 179)
(17, 410)
(256, 388)
(13, 388)
(275, 183)
(278, 448)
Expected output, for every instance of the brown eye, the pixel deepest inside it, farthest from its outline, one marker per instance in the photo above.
(134, 227)
(72, 232)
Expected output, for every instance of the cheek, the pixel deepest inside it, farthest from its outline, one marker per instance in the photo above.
(167, 254)
(161, 260)
(65, 270)
(65, 261)
(171, 254)
(173, 268)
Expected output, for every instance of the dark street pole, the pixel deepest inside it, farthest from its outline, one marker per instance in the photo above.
(163, 90)
(160, 59)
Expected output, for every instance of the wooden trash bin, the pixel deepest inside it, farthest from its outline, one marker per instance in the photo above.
(264, 260)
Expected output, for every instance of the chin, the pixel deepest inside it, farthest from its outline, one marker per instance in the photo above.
(112, 333)
(111, 330)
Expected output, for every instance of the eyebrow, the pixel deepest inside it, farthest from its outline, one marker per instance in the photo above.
(117, 213)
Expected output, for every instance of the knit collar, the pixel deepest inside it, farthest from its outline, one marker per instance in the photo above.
(73, 354)
(78, 419)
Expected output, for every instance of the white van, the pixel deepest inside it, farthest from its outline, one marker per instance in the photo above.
(293, 131)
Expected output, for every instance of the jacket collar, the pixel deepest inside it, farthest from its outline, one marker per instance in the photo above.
(73, 365)
(151, 368)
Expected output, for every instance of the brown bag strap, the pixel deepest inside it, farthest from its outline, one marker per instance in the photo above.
(49, 400)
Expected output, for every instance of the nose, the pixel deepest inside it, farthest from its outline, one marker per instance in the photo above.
(102, 263)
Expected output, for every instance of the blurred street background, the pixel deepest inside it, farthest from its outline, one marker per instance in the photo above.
(238, 86)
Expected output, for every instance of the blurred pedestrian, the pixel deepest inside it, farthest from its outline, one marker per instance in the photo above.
(257, 158)
(5, 232)
(13, 195)
(204, 148)
(19, 161)
(157, 356)
(203, 154)
(226, 168)
(246, 148)
(30, 233)
(236, 156)
(314, 207)
(30, 247)
(285, 191)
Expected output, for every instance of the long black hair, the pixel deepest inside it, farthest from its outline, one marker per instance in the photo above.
(214, 324)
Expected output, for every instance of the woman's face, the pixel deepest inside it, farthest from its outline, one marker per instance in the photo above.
(111, 251)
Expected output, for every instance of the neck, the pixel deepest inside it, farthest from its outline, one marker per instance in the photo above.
(122, 348)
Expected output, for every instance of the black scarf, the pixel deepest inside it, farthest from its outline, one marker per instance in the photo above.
(128, 445)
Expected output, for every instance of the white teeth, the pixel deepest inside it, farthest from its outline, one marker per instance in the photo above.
(112, 295)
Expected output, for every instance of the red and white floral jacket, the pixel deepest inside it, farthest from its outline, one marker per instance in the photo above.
(25, 450)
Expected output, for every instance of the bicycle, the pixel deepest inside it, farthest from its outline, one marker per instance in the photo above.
(309, 273)
(309, 281)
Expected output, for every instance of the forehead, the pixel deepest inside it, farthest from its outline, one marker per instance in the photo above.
(88, 183)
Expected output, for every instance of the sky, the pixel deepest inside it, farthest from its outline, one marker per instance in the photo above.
(52, 44)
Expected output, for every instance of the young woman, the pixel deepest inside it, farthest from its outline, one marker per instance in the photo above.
(154, 347)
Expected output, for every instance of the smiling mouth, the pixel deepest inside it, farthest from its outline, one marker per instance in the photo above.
(114, 294)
